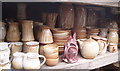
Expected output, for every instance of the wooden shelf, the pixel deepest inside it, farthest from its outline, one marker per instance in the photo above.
(99, 61)
(111, 3)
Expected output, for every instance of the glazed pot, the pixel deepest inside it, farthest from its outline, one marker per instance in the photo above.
(113, 36)
(13, 33)
(52, 62)
(113, 47)
(27, 30)
(31, 61)
(17, 61)
(103, 44)
(50, 48)
(31, 46)
(89, 48)
(46, 36)
(15, 47)
(3, 31)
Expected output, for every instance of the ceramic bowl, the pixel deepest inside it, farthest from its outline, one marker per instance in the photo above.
(52, 62)
(50, 48)
(51, 56)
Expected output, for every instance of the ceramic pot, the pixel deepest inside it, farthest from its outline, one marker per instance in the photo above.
(51, 56)
(89, 48)
(46, 36)
(15, 47)
(31, 46)
(50, 48)
(31, 61)
(52, 62)
(4, 53)
(5, 66)
(113, 47)
(13, 33)
(113, 36)
(2, 31)
(27, 30)
(17, 61)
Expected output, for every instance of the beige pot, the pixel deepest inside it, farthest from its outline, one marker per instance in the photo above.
(27, 30)
(89, 48)
(31, 46)
(51, 56)
(17, 62)
(13, 33)
(31, 61)
(52, 62)
(46, 36)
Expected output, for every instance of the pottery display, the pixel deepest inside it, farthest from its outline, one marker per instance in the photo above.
(89, 48)
(32, 46)
(13, 33)
(17, 61)
(113, 36)
(2, 31)
(27, 30)
(46, 36)
(31, 61)
(113, 47)
(15, 47)
(103, 32)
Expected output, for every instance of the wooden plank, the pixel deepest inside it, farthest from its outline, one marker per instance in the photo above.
(99, 61)
(110, 3)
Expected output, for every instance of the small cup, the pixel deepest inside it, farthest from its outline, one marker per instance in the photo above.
(51, 56)
(52, 62)
(31, 46)
(113, 47)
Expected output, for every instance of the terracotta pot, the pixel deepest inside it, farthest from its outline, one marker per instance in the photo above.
(13, 33)
(31, 46)
(113, 36)
(2, 31)
(46, 36)
(27, 30)
(52, 62)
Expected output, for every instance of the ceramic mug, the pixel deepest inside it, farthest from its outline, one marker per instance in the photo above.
(113, 47)
(15, 47)
(31, 46)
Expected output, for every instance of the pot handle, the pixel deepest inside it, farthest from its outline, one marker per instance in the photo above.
(41, 56)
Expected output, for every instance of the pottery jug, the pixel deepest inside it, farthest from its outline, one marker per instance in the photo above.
(31, 61)
(13, 33)
(2, 31)
(27, 30)
(89, 48)
(103, 44)
(17, 61)
(113, 36)
(4, 53)
(46, 36)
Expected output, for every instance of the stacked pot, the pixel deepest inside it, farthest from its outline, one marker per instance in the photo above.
(51, 54)
(61, 37)
(92, 31)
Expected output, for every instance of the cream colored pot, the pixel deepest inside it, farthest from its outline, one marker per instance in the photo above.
(17, 62)
(89, 48)
(31, 61)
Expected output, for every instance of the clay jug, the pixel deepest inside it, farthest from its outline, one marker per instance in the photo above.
(2, 31)
(27, 30)
(31, 61)
(13, 33)
(89, 48)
